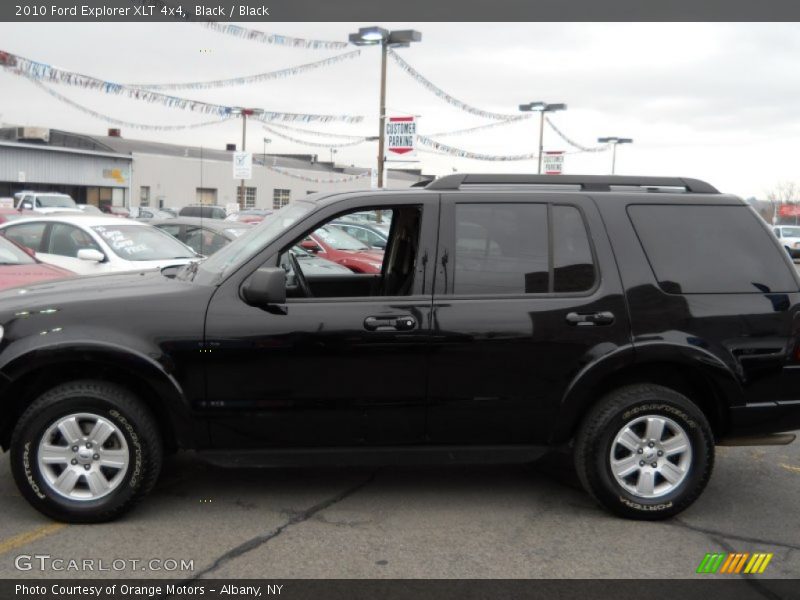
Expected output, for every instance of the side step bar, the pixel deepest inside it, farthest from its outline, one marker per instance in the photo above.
(773, 439)
(374, 456)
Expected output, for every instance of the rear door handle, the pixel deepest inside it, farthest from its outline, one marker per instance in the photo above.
(390, 323)
(584, 319)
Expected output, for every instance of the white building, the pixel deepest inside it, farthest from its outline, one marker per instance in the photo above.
(115, 170)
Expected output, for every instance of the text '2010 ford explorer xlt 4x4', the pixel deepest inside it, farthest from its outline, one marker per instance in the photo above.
(638, 321)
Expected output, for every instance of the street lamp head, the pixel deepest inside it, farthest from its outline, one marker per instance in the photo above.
(554, 107)
(370, 36)
(532, 106)
(403, 38)
(267, 140)
(614, 140)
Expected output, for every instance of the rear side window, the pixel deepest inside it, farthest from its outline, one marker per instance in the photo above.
(710, 250)
(505, 249)
(29, 235)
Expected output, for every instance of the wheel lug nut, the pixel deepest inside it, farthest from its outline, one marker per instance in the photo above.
(89, 444)
(96, 457)
(74, 461)
(660, 453)
(74, 448)
(651, 444)
(654, 465)
(87, 467)
(639, 451)
(641, 463)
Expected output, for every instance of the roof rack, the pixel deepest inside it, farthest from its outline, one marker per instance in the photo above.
(594, 183)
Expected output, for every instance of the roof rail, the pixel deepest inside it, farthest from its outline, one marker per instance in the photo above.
(594, 183)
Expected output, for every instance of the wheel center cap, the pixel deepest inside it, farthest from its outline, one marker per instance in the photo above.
(85, 455)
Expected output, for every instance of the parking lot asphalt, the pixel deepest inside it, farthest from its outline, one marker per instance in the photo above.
(437, 522)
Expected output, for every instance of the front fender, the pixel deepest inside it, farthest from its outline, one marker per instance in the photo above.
(25, 360)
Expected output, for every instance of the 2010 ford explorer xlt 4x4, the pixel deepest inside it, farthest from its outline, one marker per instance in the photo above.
(637, 321)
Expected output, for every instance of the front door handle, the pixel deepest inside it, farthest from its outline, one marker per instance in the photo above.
(584, 319)
(390, 323)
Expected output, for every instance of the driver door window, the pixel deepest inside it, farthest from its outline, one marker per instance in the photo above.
(332, 263)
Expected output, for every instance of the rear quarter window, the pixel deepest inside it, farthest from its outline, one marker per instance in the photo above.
(702, 249)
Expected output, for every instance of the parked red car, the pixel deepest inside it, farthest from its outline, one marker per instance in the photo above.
(334, 244)
(19, 266)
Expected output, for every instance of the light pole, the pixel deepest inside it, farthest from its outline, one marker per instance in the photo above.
(541, 108)
(373, 36)
(614, 141)
(333, 152)
(244, 113)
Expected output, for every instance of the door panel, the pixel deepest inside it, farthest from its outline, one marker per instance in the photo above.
(501, 362)
(322, 371)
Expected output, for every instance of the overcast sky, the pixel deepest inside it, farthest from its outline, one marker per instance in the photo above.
(719, 102)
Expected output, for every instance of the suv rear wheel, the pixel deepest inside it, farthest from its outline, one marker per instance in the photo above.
(85, 452)
(645, 452)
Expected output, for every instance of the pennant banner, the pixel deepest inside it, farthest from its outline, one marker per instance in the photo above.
(419, 78)
(288, 173)
(311, 132)
(481, 127)
(560, 133)
(257, 78)
(452, 151)
(315, 144)
(130, 124)
(43, 72)
(254, 35)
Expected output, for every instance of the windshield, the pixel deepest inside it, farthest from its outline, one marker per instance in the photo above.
(142, 242)
(335, 237)
(55, 202)
(253, 241)
(791, 232)
(11, 254)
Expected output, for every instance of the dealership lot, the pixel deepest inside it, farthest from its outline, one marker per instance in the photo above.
(458, 522)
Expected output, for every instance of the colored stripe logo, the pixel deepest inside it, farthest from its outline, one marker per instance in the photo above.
(735, 563)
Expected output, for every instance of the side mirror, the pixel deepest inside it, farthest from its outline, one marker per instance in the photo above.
(266, 286)
(380, 244)
(310, 245)
(91, 255)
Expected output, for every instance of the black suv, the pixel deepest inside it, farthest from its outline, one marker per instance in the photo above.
(637, 321)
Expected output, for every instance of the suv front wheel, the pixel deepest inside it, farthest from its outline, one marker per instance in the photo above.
(85, 452)
(645, 452)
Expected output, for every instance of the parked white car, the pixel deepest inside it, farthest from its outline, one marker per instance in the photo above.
(789, 235)
(46, 202)
(89, 245)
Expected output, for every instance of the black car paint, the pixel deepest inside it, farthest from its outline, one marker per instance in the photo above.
(498, 371)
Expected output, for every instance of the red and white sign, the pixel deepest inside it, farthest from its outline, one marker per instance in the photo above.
(553, 162)
(401, 136)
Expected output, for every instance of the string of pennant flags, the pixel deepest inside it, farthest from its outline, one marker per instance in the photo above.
(255, 35)
(572, 143)
(248, 79)
(314, 133)
(30, 69)
(309, 179)
(113, 121)
(453, 101)
(314, 144)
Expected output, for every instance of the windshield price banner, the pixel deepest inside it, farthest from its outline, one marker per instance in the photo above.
(401, 136)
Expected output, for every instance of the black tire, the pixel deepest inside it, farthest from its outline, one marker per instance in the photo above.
(109, 401)
(593, 446)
